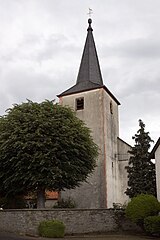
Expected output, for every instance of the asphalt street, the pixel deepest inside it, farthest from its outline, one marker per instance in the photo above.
(10, 236)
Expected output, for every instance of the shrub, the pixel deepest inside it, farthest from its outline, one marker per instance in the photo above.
(142, 206)
(119, 206)
(51, 229)
(152, 225)
(67, 203)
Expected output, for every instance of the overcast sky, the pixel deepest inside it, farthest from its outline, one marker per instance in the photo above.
(41, 44)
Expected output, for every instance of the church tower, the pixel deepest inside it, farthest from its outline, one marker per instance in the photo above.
(98, 108)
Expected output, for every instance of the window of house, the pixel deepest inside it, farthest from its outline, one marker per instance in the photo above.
(79, 103)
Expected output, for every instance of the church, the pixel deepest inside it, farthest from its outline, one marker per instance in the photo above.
(96, 105)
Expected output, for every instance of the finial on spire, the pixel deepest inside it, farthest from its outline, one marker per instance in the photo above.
(90, 20)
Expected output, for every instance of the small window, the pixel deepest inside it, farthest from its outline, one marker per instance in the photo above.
(79, 103)
(111, 107)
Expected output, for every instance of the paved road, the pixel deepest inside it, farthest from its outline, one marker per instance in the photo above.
(10, 236)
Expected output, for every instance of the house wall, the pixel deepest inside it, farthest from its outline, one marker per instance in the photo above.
(157, 164)
(111, 132)
(76, 221)
(123, 158)
(101, 189)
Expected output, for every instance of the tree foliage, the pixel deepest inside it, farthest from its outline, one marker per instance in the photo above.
(43, 146)
(141, 171)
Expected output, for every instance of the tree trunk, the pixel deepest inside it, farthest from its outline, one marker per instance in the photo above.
(41, 198)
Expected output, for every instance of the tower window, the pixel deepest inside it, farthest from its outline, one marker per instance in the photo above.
(111, 107)
(79, 103)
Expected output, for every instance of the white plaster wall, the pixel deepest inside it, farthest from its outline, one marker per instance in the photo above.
(157, 164)
(49, 203)
(111, 132)
(123, 158)
(93, 193)
(102, 187)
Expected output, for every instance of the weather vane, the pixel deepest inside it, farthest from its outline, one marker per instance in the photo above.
(90, 12)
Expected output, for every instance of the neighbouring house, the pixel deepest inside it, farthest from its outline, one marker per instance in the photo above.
(51, 199)
(155, 154)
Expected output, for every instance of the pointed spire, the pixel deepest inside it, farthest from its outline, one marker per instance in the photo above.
(89, 70)
(89, 76)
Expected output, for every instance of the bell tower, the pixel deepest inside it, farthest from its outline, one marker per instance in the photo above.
(98, 108)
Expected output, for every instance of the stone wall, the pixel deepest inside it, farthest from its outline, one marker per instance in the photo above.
(77, 221)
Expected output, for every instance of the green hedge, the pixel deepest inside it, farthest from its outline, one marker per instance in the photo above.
(51, 229)
(152, 225)
(142, 206)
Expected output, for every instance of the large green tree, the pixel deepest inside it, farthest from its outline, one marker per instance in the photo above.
(141, 170)
(43, 146)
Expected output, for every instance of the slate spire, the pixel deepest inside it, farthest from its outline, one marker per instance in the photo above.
(89, 76)
(89, 70)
